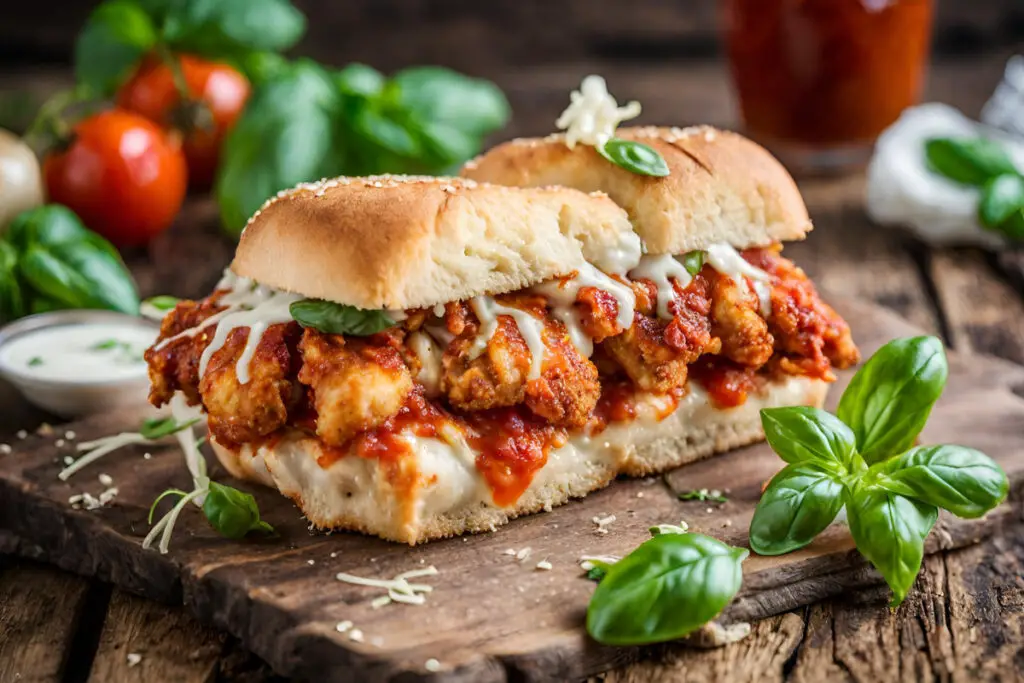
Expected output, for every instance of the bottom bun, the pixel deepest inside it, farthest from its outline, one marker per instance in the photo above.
(436, 491)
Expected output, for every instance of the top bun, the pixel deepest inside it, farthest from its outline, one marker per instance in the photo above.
(400, 242)
(722, 187)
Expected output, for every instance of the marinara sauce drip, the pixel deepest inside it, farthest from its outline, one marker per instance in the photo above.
(385, 443)
(513, 445)
(727, 383)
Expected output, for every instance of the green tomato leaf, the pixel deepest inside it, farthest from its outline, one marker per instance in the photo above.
(889, 399)
(889, 530)
(635, 157)
(233, 513)
(222, 27)
(115, 37)
(693, 261)
(333, 318)
(804, 434)
(284, 137)
(156, 428)
(442, 96)
(962, 480)
(1001, 208)
(799, 503)
(668, 587)
(970, 161)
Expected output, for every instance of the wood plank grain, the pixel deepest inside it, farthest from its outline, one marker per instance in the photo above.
(39, 610)
(984, 313)
(145, 641)
(490, 618)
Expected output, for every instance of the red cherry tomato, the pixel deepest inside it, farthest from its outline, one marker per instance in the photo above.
(122, 174)
(152, 93)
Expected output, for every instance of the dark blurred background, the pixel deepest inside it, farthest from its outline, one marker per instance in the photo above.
(535, 49)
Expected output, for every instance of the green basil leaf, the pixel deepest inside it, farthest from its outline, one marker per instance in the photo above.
(154, 428)
(889, 530)
(635, 157)
(442, 96)
(693, 261)
(260, 66)
(669, 586)
(162, 302)
(218, 27)
(799, 502)
(233, 513)
(42, 304)
(889, 399)
(971, 161)
(115, 37)
(598, 571)
(285, 136)
(333, 318)
(1001, 208)
(360, 80)
(12, 300)
(962, 480)
(805, 434)
(386, 133)
(67, 264)
(444, 145)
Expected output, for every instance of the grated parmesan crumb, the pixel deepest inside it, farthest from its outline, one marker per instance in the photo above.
(343, 626)
(147, 456)
(432, 665)
(68, 460)
(356, 635)
(106, 479)
(59, 443)
(639, 494)
(70, 435)
(524, 554)
(544, 565)
(334, 554)
(5, 448)
(133, 659)
(22, 434)
(602, 523)
(510, 551)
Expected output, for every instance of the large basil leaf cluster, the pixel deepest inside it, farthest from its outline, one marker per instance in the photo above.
(119, 33)
(50, 261)
(306, 122)
(864, 458)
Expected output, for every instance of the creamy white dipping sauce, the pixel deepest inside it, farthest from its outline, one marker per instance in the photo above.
(80, 352)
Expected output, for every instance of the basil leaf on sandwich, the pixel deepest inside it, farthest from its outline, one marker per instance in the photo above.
(335, 318)
(635, 157)
(693, 261)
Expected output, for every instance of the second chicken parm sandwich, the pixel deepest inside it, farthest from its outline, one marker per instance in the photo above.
(417, 358)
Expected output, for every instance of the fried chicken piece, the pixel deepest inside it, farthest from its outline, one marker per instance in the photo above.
(737, 321)
(356, 384)
(809, 335)
(175, 366)
(565, 392)
(242, 413)
(653, 353)
(598, 313)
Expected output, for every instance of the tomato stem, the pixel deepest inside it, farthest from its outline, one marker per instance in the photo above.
(177, 74)
(49, 127)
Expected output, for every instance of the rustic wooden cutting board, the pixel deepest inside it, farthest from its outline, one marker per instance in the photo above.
(490, 617)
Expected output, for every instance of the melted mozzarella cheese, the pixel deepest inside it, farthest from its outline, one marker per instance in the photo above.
(266, 307)
(620, 257)
(661, 269)
(429, 355)
(727, 261)
(487, 311)
(562, 295)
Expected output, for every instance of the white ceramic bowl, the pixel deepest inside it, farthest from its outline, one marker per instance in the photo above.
(74, 398)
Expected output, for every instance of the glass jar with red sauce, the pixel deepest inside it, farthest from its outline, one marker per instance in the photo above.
(818, 80)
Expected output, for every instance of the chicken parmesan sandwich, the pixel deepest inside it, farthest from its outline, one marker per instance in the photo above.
(420, 357)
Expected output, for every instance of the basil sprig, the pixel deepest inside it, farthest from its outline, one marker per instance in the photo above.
(334, 318)
(50, 261)
(232, 513)
(666, 588)
(864, 458)
(635, 157)
(154, 428)
(983, 163)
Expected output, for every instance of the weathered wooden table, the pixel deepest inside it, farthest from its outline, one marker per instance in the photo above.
(963, 621)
